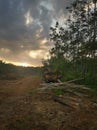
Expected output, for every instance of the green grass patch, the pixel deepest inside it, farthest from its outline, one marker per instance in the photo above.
(58, 92)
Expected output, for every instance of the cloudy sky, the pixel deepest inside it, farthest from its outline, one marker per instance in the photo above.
(25, 26)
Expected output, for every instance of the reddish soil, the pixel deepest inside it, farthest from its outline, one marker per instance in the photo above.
(22, 108)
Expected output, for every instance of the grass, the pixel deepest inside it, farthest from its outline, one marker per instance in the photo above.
(58, 92)
(31, 92)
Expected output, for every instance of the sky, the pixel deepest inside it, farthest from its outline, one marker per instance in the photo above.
(25, 27)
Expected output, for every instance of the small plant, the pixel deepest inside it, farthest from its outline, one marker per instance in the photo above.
(31, 92)
(59, 92)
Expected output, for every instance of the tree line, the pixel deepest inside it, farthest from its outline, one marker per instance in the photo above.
(9, 71)
(74, 51)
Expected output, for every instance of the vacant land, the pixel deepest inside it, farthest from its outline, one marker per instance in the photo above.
(24, 108)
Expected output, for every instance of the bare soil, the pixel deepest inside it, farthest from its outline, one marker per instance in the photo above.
(23, 108)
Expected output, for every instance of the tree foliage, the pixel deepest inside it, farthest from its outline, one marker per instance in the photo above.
(75, 42)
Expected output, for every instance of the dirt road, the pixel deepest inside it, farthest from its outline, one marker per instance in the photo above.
(22, 108)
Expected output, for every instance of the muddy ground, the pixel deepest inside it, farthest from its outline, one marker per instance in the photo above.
(23, 108)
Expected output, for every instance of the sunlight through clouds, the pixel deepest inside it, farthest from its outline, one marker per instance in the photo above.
(5, 50)
(36, 54)
(44, 41)
(24, 64)
(28, 18)
(25, 27)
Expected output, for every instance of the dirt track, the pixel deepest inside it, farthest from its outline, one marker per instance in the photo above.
(22, 108)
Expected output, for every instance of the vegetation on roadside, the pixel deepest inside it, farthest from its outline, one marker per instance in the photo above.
(10, 72)
(58, 92)
(74, 52)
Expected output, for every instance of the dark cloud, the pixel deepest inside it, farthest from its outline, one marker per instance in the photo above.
(24, 27)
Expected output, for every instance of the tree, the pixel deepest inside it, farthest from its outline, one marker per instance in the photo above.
(77, 41)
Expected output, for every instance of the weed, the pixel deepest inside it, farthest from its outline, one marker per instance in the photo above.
(31, 92)
(59, 92)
